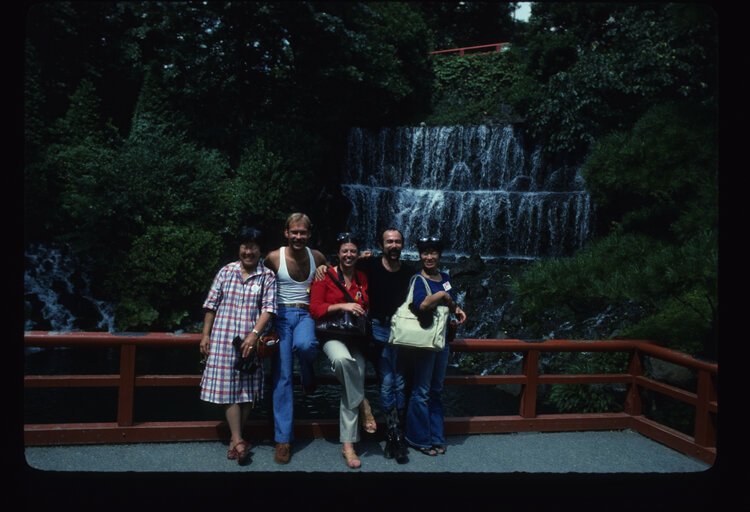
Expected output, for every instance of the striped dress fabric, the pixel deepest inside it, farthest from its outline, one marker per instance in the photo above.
(238, 305)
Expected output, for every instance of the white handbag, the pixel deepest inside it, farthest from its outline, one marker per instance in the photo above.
(406, 330)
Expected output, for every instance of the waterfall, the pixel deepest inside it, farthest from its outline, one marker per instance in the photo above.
(57, 293)
(475, 186)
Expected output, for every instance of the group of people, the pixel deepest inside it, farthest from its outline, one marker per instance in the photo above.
(288, 291)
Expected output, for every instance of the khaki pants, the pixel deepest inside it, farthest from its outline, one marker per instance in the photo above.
(348, 364)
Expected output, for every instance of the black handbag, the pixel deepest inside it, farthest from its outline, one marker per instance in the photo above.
(344, 323)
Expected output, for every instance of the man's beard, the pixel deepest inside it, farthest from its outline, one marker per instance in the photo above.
(392, 254)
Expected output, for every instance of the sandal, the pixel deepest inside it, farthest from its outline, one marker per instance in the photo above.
(439, 448)
(232, 454)
(351, 458)
(366, 417)
(427, 451)
(243, 456)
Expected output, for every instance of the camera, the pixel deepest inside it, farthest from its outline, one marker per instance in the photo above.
(243, 364)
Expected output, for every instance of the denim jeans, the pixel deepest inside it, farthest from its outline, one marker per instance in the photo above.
(424, 417)
(296, 330)
(390, 372)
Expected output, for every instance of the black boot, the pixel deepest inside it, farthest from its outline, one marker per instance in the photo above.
(390, 445)
(402, 449)
(391, 423)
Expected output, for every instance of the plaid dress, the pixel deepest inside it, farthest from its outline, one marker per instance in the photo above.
(238, 305)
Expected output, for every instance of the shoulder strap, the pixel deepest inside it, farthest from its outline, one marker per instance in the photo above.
(426, 284)
(339, 282)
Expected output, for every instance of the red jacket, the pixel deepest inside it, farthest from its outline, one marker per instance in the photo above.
(326, 292)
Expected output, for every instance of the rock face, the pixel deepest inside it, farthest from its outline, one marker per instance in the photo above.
(482, 293)
(670, 373)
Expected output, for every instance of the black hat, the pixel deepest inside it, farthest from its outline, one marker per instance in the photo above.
(430, 242)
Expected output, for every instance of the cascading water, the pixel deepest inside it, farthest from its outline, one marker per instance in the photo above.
(475, 186)
(57, 294)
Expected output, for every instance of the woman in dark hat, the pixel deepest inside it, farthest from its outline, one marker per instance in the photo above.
(424, 417)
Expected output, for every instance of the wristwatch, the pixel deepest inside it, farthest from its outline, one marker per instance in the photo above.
(257, 333)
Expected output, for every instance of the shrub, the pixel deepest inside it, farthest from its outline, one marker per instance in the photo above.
(167, 272)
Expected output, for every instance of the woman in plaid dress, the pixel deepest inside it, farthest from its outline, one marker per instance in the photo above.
(241, 302)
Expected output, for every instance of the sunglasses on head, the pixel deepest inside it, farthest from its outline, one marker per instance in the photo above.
(426, 239)
(346, 236)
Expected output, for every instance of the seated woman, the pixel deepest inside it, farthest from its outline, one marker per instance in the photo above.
(346, 352)
(424, 417)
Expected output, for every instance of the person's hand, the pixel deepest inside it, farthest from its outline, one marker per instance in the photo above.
(249, 345)
(365, 254)
(355, 307)
(205, 344)
(320, 272)
(460, 315)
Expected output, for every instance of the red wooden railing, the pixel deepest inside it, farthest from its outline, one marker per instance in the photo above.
(702, 445)
(499, 47)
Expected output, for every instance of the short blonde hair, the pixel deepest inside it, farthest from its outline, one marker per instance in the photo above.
(298, 217)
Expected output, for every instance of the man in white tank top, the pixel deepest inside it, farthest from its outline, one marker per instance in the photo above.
(294, 266)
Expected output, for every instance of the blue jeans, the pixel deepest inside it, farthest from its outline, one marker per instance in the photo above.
(390, 373)
(296, 330)
(424, 418)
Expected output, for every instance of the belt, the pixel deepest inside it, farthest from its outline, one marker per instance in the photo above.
(296, 305)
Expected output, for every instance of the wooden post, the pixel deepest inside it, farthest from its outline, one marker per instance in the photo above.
(127, 386)
(633, 404)
(528, 392)
(705, 429)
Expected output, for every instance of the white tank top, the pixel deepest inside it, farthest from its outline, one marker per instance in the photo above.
(290, 291)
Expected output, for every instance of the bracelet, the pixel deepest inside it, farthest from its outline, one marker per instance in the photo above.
(256, 332)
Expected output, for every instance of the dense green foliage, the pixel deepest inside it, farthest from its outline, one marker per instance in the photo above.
(630, 91)
(154, 130)
(469, 89)
(592, 68)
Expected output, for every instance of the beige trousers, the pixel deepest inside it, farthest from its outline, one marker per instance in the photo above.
(348, 364)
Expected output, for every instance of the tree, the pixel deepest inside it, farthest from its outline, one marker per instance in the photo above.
(259, 193)
(601, 66)
(355, 62)
(39, 181)
(657, 185)
(168, 270)
(661, 177)
(82, 150)
(462, 24)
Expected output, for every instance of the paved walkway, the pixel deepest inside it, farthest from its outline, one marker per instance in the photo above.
(553, 452)
(597, 470)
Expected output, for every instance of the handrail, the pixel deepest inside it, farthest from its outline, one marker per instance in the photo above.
(701, 445)
(499, 47)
